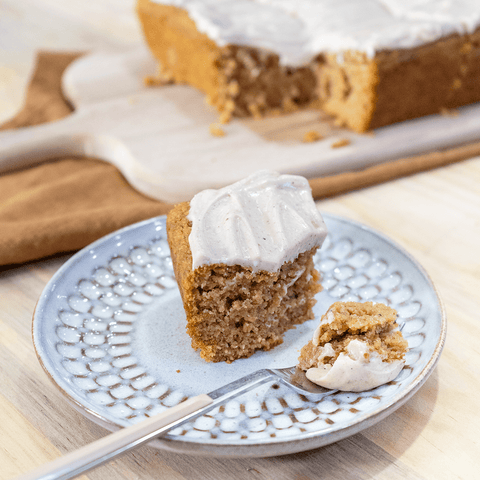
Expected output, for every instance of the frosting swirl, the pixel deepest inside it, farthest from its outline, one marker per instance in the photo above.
(260, 222)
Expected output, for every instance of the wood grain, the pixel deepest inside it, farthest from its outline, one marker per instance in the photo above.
(435, 217)
(159, 138)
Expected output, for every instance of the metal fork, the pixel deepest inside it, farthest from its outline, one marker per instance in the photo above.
(126, 439)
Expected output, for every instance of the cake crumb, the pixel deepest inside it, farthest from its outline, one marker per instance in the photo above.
(457, 83)
(216, 131)
(225, 117)
(343, 142)
(229, 106)
(466, 48)
(255, 111)
(160, 78)
(289, 106)
(312, 136)
(448, 112)
(156, 81)
(233, 88)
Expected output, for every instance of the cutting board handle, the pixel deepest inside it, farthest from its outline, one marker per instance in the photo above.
(30, 146)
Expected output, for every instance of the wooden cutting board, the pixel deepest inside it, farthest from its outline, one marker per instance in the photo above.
(159, 137)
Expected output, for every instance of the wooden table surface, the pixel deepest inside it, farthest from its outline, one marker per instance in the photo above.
(434, 215)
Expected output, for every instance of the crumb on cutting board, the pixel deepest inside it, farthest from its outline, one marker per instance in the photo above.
(225, 117)
(343, 142)
(216, 130)
(312, 136)
(447, 112)
(158, 79)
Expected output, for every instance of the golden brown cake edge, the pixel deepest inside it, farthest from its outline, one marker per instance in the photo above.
(362, 93)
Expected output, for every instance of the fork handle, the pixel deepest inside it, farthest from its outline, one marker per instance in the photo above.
(123, 440)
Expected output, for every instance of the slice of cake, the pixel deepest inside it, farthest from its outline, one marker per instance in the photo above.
(243, 260)
(368, 63)
(356, 347)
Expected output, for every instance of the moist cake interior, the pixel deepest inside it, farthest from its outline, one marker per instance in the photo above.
(373, 324)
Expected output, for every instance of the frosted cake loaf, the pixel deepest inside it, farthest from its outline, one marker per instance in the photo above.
(243, 260)
(368, 63)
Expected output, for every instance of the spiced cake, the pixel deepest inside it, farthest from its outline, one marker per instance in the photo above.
(368, 63)
(356, 347)
(243, 260)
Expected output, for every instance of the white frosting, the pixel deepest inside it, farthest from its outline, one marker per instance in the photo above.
(260, 222)
(297, 30)
(352, 371)
(329, 317)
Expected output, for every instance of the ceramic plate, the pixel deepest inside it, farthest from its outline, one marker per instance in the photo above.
(109, 330)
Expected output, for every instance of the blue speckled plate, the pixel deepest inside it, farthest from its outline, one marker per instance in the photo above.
(109, 329)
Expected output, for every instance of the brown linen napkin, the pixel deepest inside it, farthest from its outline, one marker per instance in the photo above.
(66, 204)
(344, 182)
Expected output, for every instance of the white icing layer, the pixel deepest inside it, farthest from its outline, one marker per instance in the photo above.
(329, 317)
(260, 222)
(298, 30)
(352, 371)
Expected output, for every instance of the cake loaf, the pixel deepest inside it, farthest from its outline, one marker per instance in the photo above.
(243, 260)
(368, 63)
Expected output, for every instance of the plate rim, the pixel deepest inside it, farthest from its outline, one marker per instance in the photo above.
(250, 448)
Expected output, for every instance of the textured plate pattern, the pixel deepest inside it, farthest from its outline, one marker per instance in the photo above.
(109, 330)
